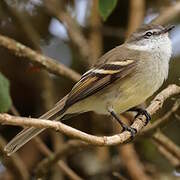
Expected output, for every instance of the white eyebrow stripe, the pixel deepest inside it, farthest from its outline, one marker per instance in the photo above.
(102, 71)
(122, 63)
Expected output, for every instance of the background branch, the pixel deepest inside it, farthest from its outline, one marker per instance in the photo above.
(136, 15)
(22, 23)
(168, 14)
(13, 163)
(170, 146)
(76, 36)
(46, 164)
(169, 156)
(48, 63)
(161, 121)
(60, 163)
(132, 162)
(95, 37)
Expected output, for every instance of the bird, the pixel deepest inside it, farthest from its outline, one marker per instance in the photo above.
(120, 81)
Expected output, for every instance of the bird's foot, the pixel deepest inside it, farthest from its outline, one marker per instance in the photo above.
(133, 131)
(141, 111)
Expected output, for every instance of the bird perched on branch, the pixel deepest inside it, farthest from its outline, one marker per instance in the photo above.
(122, 79)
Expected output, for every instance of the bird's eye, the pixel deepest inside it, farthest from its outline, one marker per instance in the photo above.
(148, 34)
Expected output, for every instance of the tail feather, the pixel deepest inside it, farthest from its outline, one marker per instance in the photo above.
(28, 133)
(21, 138)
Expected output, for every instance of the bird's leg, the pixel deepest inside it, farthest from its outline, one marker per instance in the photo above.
(133, 131)
(141, 111)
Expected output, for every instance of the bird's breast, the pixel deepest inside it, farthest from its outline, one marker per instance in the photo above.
(142, 84)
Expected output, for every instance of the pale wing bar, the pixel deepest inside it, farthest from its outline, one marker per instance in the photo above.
(99, 77)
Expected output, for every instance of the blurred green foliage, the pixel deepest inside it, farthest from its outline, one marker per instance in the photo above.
(5, 99)
(106, 7)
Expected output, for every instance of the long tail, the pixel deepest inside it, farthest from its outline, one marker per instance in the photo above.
(28, 133)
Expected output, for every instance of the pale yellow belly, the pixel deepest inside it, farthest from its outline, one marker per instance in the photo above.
(121, 97)
(126, 93)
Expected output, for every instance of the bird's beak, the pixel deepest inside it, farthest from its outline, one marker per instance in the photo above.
(168, 28)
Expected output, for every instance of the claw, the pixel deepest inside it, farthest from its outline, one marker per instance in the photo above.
(145, 113)
(142, 112)
(133, 131)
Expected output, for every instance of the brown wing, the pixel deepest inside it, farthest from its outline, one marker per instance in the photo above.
(99, 77)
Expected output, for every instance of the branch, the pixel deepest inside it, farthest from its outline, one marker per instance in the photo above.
(91, 139)
(47, 163)
(47, 152)
(13, 163)
(168, 14)
(177, 116)
(172, 159)
(137, 8)
(95, 34)
(170, 146)
(127, 151)
(161, 121)
(132, 163)
(60, 163)
(23, 24)
(74, 31)
(48, 63)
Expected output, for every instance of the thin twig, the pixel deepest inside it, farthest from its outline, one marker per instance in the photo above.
(74, 31)
(95, 35)
(137, 11)
(14, 111)
(23, 24)
(161, 121)
(47, 163)
(48, 63)
(61, 164)
(168, 14)
(177, 116)
(138, 124)
(13, 163)
(173, 160)
(170, 146)
(132, 162)
(111, 31)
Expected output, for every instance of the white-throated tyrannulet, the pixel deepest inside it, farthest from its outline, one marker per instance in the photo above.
(122, 79)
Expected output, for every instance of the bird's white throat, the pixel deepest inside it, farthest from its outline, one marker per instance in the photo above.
(160, 45)
(159, 49)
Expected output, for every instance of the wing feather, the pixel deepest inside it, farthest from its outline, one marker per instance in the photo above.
(99, 77)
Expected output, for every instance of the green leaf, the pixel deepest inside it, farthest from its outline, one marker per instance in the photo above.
(5, 99)
(106, 7)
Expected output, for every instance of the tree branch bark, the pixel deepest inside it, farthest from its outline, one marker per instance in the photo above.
(170, 146)
(91, 139)
(74, 31)
(60, 163)
(161, 121)
(136, 16)
(14, 163)
(167, 15)
(132, 162)
(48, 63)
